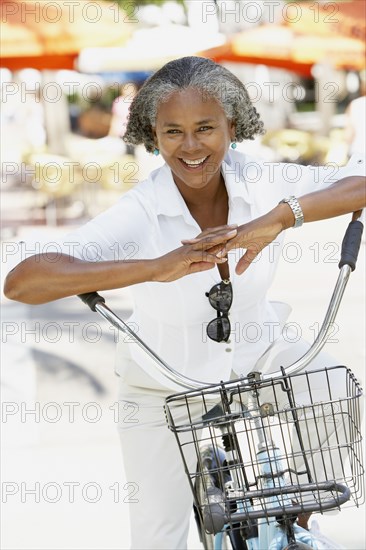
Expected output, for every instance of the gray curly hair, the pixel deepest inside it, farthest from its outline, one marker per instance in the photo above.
(211, 79)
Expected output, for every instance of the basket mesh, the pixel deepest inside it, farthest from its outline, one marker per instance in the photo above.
(293, 445)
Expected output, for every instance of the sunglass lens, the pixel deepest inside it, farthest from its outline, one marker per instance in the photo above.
(219, 329)
(221, 297)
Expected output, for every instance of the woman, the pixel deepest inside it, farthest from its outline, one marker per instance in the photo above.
(172, 239)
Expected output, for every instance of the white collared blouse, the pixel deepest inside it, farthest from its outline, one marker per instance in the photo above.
(152, 219)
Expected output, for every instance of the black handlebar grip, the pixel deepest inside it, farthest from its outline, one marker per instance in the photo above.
(91, 299)
(351, 244)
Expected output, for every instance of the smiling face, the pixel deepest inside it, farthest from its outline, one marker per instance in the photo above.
(193, 135)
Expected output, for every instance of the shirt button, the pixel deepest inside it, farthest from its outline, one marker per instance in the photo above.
(228, 349)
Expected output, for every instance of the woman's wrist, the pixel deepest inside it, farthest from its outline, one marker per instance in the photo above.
(285, 215)
(152, 270)
(296, 209)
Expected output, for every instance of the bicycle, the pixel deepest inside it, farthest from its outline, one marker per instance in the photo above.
(249, 491)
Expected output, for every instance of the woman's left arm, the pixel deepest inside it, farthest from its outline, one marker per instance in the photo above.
(346, 195)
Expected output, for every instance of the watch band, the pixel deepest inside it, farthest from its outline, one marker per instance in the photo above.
(296, 210)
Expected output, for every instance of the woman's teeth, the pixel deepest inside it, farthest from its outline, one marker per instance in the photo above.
(194, 162)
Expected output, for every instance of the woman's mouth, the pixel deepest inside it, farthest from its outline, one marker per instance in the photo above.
(195, 164)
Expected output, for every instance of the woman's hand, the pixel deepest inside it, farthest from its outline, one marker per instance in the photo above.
(252, 237)
(195, 255)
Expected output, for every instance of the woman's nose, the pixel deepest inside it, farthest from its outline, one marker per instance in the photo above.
(190, 143)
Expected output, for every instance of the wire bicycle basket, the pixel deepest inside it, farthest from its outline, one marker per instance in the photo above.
(268, 449)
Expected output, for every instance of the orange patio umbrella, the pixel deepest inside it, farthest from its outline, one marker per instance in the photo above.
(300, 42)
(49, 35)
(337, 19)
(269, 45)
(333, 31)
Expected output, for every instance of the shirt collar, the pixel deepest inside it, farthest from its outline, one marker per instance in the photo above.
(234, 168)
(170, 202)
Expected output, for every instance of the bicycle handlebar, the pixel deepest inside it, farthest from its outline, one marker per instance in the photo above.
(351, 245)
(96, 303)
(349, 252)
(91, 299)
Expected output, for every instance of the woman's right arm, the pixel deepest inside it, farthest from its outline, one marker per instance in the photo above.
(46, 277)
(43, 278)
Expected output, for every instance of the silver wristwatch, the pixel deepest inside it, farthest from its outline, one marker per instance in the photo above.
(296, 210)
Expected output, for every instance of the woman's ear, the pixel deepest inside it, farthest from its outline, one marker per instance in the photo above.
(232, 129)
(155, 136)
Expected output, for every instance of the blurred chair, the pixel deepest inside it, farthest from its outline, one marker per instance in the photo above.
(304, 147)
(290, 145)
(55, 178)
(105, 179)
(119, 174)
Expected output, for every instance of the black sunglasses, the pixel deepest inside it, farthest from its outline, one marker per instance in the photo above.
(220, 297)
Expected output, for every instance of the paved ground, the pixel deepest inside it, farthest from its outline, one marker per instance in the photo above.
(62, 479)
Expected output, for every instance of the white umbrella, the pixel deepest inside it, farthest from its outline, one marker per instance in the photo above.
(148, 49)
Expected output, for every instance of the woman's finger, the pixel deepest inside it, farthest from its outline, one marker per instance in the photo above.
(246, 260)
(203, 256)
(211, 231)
(210, 240)
(201, 266)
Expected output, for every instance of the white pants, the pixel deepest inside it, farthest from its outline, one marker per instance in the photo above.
(162, 504)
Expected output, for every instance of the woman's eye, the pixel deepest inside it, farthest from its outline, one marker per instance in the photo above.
(174, 131)
(204, 128)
